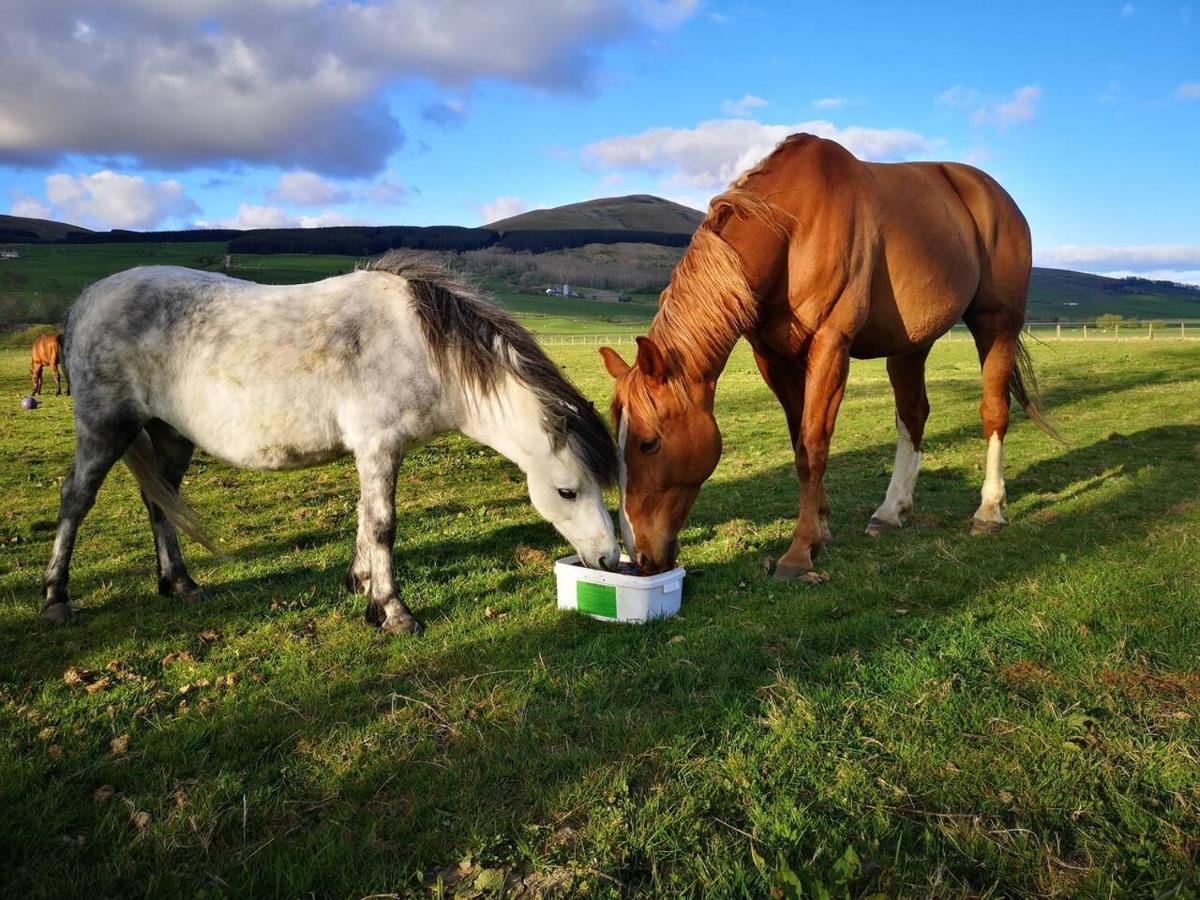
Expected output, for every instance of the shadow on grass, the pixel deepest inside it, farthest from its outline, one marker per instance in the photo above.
(467, 773)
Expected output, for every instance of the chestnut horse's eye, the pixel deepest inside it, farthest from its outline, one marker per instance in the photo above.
(650, 445)
(567, 493)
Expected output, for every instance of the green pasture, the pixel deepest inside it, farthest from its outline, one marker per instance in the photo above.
(948, 716)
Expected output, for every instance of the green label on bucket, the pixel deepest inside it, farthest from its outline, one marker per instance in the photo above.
(596, 599)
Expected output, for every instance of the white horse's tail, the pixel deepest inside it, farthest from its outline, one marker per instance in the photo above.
(140, 459)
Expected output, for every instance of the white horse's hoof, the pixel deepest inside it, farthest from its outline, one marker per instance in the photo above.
(57, 612)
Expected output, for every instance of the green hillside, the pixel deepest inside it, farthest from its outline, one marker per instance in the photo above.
(637, 212)
(1063, 294)
(16, 227)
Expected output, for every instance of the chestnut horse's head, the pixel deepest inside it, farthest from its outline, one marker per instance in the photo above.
(669, 444)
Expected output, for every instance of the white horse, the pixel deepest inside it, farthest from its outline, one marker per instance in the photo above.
(372, 363)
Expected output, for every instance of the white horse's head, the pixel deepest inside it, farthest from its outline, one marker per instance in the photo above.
(568, 494)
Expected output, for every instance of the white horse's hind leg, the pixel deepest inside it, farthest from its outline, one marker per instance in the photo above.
(376, 536)
(172, 456)
(990, 515)
(97, 448)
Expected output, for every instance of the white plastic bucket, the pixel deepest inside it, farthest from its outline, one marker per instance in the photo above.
(614, 597)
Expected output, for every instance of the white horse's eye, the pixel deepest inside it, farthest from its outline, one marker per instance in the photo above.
(567, 493)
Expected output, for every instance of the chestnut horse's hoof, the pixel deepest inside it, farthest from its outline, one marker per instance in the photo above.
(57, 612)
(876, 527)
(786, 572)
(981, 526)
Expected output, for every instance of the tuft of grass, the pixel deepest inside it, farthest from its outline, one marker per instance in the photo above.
(1007, 716)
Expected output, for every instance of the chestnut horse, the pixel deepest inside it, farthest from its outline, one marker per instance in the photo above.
(815, 257)
(48, 351)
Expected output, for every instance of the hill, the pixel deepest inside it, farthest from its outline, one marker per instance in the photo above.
(637, 212)
(1064, 294)
(18, 229)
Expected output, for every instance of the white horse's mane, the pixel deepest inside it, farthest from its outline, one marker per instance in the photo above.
(471, 337)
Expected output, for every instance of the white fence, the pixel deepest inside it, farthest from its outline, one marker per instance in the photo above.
(1187, 330)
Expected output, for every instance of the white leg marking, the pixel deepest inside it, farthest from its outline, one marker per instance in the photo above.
(991, 506)
(627, 534)
(899, 499)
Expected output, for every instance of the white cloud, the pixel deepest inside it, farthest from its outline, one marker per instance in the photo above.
(386, 191)
(30, 208)
(446, 113)
(743, 107)
(829, 103)
(250, 216)
(295, 83)
(666, 14)
(110, 200)
(1138, 258)
(329, 219)
(502, 208)
(1189, 90)
(308, 189)
(958, 97)
(1127, 11)
(713, 153)
(1018, 109)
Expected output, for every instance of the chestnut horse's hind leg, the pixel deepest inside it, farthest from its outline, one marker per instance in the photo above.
(907, 374)
(826, 367)
(98, 446)
(373, 547)
(172, 456)
(37, 378)
(996, 336)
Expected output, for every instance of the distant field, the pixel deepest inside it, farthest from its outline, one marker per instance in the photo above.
(40, 285)
(1005, 717)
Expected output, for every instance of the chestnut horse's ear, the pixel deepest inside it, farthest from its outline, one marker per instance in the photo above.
(616, 366)
(651, 361)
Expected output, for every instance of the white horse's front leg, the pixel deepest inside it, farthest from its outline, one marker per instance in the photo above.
(376, 535)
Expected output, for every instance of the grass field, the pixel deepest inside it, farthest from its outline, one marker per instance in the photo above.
(1007, 716)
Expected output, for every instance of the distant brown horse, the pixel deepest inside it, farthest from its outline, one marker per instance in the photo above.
(816, 257)
(48, 351)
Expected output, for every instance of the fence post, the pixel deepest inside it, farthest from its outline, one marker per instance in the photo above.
(1085, 330)
(1117, 332)
(1151, 337)
(1058, 331)
(1181, 333)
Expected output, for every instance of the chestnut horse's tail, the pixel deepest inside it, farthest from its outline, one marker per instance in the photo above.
(140, 460)
(1024, 386)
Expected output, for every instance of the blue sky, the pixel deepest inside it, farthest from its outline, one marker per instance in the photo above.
(142, 114)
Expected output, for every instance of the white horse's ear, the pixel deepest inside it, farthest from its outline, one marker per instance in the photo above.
(616, 366)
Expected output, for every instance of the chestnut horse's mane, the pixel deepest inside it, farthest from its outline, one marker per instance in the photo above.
(709, 303)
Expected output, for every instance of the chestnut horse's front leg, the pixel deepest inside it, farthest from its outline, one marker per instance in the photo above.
(827, 366)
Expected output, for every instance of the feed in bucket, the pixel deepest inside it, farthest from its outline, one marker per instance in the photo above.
(620, 596)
